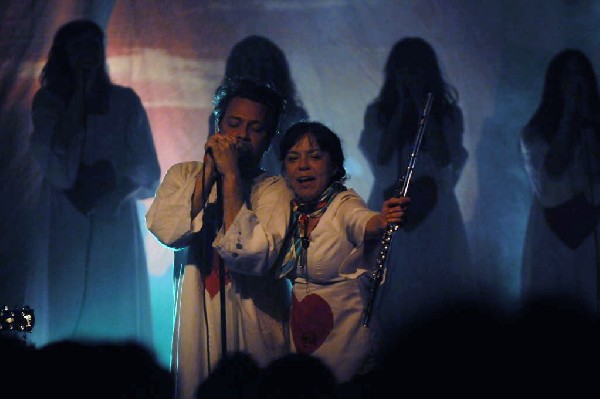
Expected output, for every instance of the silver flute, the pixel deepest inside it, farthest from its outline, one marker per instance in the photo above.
(400, 191)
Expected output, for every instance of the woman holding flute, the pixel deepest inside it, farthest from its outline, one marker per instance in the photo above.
(325, 251)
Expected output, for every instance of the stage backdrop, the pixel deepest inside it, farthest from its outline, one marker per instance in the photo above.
(173, 54)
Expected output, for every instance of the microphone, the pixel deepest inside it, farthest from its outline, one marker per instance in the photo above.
(242, 149)
(244, 161)
(86, 67)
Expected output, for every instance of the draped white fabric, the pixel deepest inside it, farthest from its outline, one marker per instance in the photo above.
(173, 55)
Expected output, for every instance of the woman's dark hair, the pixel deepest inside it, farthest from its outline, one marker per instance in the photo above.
(57, 74)
(328, 141)
(251, 90)
(260, 59)
(414, 54)
(547, 116)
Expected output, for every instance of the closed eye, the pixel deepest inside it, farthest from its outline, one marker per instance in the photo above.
(234, 122)
(257, 127)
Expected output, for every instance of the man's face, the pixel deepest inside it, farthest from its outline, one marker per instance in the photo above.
(249, 121)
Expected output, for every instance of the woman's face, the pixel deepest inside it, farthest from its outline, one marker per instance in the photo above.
(308, 169)
(84, 51)
(573, 80)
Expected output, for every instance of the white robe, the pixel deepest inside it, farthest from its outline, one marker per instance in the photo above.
(256, 306)
(430, 266)
(550, 266)
(90, 279)
(331, 292)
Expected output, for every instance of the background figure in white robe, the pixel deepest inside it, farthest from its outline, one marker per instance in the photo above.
(94, 147)
(561, 150)
(429, 261)
(188, 212)
(258, 58)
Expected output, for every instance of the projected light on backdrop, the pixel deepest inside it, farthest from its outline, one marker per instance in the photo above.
(177, 94)
(173, 55)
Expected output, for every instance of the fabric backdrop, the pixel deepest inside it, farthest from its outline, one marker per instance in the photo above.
(173, 54)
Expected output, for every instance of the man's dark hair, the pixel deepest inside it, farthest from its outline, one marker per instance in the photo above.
(251, 90)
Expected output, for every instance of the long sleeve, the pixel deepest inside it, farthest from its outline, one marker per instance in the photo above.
(60, 164)
(384, 175)
(451, 131)
(140, 171)
(552, 189)
(253, 241)
(135, 163)
(354, 216)
(453, 127)
(371, 134)
(169, 216)
(350, 215)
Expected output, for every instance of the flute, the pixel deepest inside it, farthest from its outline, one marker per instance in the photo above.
(400, 191)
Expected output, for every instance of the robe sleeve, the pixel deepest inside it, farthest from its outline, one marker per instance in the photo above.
(252, 243)
(59, 164)
(552, 190)
(354, 215)
(169, 216)
(453, 129)
(140, 173)
(370, 136)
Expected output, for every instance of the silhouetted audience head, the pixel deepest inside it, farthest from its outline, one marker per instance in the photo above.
(235, 376)
(70, 369)
(475, 350)
(297, 375)
(17, 358)
(292, 376)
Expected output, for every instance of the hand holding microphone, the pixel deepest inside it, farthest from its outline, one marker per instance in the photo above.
(86, 62)
(86, 74)
(225, 152)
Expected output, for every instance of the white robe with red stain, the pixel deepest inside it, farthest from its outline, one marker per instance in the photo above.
(331, 292)
(256, 306)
